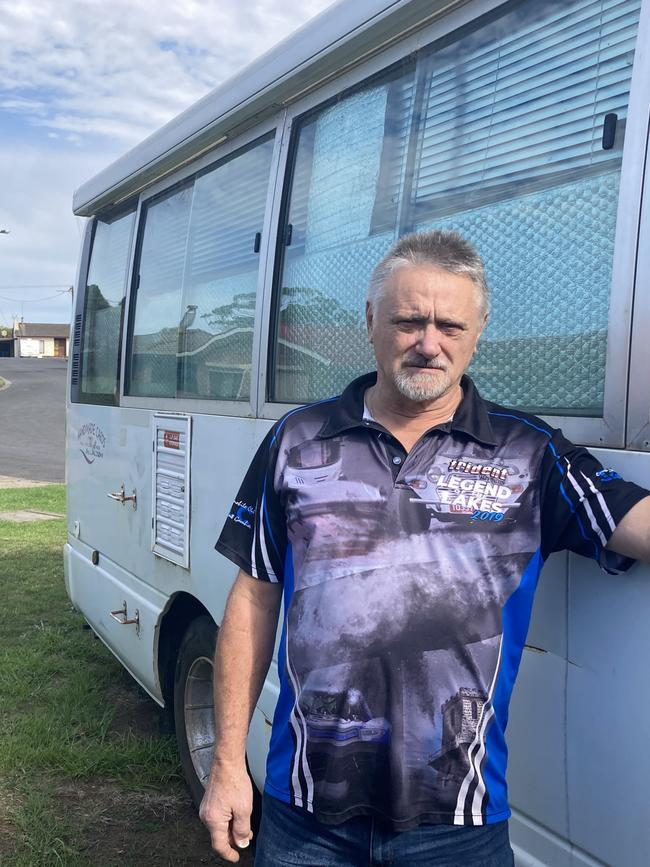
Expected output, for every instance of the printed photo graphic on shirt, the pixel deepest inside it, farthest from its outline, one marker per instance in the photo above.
(397, 730)
(393, 633)
(334, 510)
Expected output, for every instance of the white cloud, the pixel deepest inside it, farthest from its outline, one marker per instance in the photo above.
(124, 67)
(81, 81)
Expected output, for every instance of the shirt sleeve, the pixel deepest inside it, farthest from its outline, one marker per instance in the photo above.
(254, 536)
(582, 503)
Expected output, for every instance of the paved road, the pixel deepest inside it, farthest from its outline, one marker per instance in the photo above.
(32, 418)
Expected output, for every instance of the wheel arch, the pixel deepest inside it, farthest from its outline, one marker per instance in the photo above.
(179, 612)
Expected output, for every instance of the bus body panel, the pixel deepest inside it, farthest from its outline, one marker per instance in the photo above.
(108, 596)
(580, 707)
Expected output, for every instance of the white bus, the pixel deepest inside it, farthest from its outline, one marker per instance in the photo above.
(221, 283)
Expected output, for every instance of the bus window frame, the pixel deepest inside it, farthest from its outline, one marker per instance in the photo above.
(223, 153)
(77, 395)
(605, 431)
(638, 419)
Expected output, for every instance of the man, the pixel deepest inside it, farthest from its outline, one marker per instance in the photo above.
(406, 522)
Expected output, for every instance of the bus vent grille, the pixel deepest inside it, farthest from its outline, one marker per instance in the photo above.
(76, 345)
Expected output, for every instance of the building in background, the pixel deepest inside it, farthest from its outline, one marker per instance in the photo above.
(6, 341)
(35, 340)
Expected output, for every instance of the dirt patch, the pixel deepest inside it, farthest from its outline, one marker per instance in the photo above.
(135, 711)
(8, 829)
(114, 827)
(11, 482)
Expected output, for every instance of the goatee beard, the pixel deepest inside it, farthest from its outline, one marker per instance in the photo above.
(420, 387)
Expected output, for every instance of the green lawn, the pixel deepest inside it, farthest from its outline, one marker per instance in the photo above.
(85, 777)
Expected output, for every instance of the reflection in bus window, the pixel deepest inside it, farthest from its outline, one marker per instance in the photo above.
(154, 344)
(504, 145)
(339, 193)
(195, 304)
(216, 347)
(105, 291)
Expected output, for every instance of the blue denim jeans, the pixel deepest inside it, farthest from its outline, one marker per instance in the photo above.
(289, 835)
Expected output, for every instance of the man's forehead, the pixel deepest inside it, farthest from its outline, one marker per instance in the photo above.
(416, 286)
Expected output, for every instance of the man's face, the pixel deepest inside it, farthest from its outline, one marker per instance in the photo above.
(424, 330)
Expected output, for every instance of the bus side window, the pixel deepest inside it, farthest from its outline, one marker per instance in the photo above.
(510, 154)
(198, 263)
(501, 140)
(343, 213)
(103, 309)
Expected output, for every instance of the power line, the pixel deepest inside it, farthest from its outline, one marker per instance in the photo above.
(35, 286)
(35, 300)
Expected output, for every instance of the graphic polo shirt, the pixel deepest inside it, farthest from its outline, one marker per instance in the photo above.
(408, 586)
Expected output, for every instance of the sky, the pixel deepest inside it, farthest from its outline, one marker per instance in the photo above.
(81, 82)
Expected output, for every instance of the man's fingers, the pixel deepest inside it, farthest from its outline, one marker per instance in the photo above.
(221, 844)
(241, 828)
(218, 824)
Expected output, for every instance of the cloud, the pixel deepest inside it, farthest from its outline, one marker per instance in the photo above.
(43, 246)
(121, 69)
(80, 83)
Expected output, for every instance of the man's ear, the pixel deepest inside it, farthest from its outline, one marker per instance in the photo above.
(369, 320)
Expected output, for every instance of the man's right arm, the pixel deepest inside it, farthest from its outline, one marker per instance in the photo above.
(242, 658)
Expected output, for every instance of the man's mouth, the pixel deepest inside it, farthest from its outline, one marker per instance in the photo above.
(424, 365)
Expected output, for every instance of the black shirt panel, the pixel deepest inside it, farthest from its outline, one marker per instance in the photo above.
(254, 535)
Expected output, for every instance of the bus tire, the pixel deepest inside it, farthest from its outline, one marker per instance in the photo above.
(193, 685)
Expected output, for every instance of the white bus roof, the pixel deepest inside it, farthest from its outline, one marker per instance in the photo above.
(336, 39)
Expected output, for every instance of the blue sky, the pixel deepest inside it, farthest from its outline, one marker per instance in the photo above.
(81, 82)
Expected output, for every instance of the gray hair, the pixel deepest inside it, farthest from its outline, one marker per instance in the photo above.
(441, 248)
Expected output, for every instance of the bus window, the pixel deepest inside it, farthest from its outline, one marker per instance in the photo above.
(340, 190)
(103, 308)
(505, 145)
(154, 340)
(510, 153)
(216, 346)
(192, 333)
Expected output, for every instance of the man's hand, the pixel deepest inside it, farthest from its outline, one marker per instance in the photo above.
(226, 811)
(242, 657)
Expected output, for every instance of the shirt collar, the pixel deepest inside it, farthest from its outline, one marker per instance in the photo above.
(471, 416)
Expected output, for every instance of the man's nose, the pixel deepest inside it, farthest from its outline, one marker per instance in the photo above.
(429, 342)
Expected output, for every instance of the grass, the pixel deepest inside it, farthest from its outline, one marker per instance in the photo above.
(79, 745)
(49, 498)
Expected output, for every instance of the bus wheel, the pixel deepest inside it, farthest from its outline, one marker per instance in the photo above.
(194, 709)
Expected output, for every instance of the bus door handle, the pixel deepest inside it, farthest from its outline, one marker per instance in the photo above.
(121, 497)
(123, 619)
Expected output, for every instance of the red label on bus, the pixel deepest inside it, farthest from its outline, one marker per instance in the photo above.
(172, 439)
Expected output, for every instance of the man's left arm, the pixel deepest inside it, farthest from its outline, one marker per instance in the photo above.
(631, 538)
